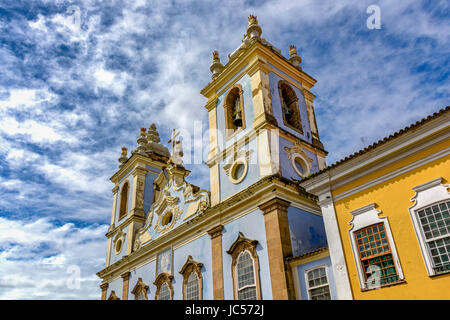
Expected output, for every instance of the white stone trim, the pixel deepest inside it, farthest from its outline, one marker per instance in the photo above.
(365, 217)
(337, 258)
(427, 194)
(307, 282)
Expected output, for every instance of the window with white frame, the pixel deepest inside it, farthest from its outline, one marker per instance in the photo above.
(374, 249)
(431, 219)
(317, 284)
(246, 284)
(435, 223)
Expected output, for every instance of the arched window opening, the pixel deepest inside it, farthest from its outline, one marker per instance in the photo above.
(246, 284)
(234, 110)
(192, 279)
(289, 106)
(245, 269)
(123, 201)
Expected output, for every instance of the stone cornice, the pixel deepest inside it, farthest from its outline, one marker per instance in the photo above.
(215, 232)
(274, 204)
(126, 222)
(151, 160)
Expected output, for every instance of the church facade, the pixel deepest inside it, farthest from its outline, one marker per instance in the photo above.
(261, 231)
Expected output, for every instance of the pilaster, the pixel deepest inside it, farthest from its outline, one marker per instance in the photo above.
(259, 80)
(217, 262)
(335, 246)
(279, 247)
(214, 178)
(126, 281)
(104, 287)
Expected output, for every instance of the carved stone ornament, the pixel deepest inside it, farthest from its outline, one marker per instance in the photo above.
(192, 266)
(119, 236)
(162, 278)
(296, 152)
(246, 154)
(140, 288)
(168, 207)
(113, 296)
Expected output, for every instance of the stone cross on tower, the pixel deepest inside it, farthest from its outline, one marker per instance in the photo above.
(176, 155)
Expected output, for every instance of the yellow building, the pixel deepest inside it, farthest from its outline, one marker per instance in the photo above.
(386, 214)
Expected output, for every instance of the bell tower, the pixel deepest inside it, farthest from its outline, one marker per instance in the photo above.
(261, 117)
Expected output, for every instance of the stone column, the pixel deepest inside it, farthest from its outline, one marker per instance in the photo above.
(104, 287)
(126, 278)
(217, 263)
(278, 247)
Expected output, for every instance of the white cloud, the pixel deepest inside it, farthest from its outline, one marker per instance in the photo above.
(40, 260)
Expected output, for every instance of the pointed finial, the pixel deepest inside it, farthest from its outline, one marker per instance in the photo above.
(252, 19)
(123, 157)
(142, 142)
(216, 66)
(294, 58)
(253, 29)
(152, 134)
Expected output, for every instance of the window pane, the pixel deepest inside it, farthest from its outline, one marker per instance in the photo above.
(245, 274)
(164, 292)
(192, 287)
(376, 242)
(248, 293)
(435, 223)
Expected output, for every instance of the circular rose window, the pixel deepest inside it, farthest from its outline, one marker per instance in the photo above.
(118, 246)
(300, 165)
(238, 170)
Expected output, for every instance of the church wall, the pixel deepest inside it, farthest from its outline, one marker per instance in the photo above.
(117, 286)
(287, 170)
(228, 188)
(116, 257)
(276, 108)
(252, 226)
(307, 231)
(200, 250)
(147, 273)
(310, 265)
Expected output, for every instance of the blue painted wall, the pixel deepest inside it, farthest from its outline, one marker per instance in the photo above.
(307, 231)
(277, 112)
(286, 165)
(228, 188)
(147, 273)
(116, 257)
(200, 250)
(252, 226)
(302, 280)
(117, 286)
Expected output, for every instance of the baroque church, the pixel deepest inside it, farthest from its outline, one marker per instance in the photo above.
(277, 222)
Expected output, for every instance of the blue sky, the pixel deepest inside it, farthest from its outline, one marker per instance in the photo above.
(79, 78)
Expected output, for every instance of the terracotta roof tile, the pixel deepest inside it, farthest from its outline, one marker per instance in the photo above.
(383, 141)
